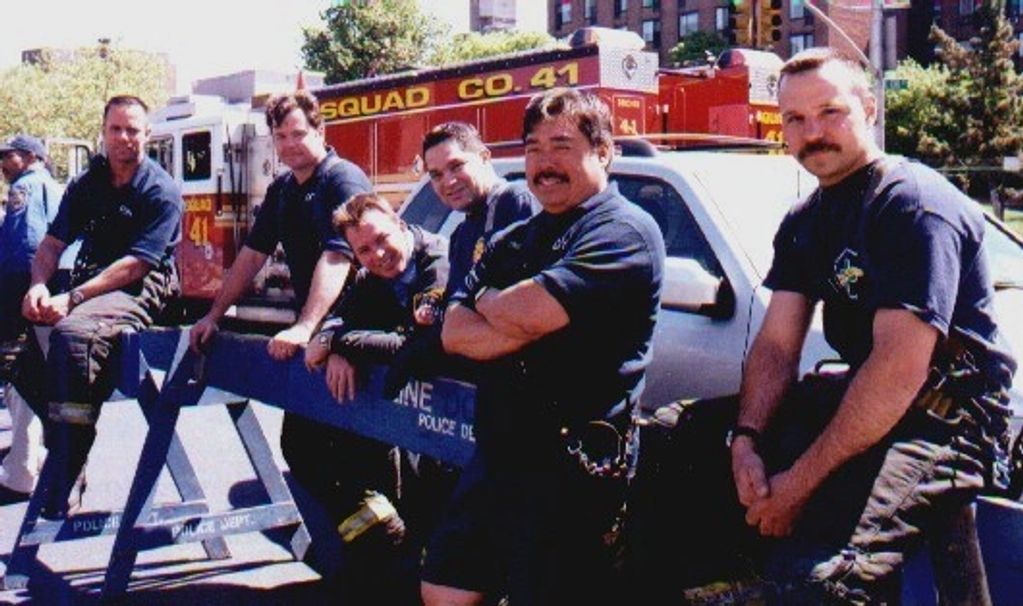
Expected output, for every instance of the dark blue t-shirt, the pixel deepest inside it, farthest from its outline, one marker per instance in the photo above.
(505, 204)
(917, 245)
(603, 262)
(142, 218)
(299, 217)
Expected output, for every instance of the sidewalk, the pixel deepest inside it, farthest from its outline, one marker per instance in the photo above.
(260, 571)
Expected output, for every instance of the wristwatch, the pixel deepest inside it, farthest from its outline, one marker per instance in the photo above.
(324, 338)
(76, 297)
(742, 430)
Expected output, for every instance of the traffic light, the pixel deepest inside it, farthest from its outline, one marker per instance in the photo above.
(740, 21)
(770, 22)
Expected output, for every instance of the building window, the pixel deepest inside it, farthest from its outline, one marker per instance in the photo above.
(591, 11)
(800, 42)
(652, 32)
(655, 4)
(621, 6)
(965, 7)
(688, 23)
(563, 15)
(721, 18)
(797, 9)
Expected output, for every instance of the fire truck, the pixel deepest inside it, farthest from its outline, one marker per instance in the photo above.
(222, 154)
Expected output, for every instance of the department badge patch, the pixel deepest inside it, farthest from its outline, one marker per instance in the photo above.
(847, 274)
(477, 250)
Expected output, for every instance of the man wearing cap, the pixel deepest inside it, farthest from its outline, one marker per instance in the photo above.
(32, 201)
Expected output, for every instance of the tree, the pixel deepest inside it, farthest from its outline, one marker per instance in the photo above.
(363, 38)
(915, 123)
(694, 48)
(984, 94)
(63, 95)
(474, 45)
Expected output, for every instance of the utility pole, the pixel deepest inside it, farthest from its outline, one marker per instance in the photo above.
(877, 63)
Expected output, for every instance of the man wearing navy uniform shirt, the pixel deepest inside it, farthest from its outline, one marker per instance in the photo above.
(847, 483)
(297, 213)
(127, 211)
(464, 179)
(536, 510)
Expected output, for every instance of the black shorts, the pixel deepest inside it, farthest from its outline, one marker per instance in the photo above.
(543, 533)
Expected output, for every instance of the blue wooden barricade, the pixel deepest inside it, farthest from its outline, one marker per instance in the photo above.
(429, 417)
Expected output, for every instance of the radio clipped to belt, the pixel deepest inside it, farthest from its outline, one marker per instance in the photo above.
(949, 381)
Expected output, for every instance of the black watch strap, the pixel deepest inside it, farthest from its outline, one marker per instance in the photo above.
(742, 430)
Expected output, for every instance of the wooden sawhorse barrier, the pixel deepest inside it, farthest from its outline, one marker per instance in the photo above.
(433, 418)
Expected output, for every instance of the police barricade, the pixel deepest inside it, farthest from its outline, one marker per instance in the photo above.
(157, 369)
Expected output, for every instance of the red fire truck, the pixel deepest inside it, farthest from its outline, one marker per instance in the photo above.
(222, 154)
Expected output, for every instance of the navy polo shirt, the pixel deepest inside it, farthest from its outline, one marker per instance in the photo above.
(298, 216)
(32, 202)
(603, 261)
(917, 245)
(142, 218)
(505, 204)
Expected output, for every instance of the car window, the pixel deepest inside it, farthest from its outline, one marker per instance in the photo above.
(1006, 256)
(682, 236)
(425, 210)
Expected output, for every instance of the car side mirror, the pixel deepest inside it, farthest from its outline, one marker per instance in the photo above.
(689, 287)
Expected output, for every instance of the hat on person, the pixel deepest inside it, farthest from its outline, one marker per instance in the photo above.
(25, 143)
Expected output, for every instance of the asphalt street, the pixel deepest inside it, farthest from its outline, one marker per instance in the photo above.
(261, 569)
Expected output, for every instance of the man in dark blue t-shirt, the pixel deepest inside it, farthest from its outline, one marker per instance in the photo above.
(296, 213)
(847, 483)
(127, 211)
(464, 179)
(561, 310)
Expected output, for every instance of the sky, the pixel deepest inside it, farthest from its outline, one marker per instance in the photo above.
(201, 37)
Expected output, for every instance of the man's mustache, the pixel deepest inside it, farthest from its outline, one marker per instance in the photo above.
(550, 174)
(817, 146)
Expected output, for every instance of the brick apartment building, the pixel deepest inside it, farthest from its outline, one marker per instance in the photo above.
(663, 22)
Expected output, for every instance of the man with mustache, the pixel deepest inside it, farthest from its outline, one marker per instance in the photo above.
(560, 310)
(846, 476)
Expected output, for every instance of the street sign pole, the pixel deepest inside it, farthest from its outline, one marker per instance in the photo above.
(877, 62)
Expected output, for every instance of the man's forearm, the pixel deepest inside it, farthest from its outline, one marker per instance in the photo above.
(44, 264)
(523, 311)
(239, 279)
(118, 274)
(877, 398)
(467, 333)
(328, 281)
(769, 372)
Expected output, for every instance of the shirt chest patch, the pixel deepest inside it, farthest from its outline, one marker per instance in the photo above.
(848, 275)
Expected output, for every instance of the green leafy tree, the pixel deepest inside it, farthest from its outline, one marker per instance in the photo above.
(474, 45)
(984, 96)
(363, 38)
(915, 122)
(695, 48)
(63, 95)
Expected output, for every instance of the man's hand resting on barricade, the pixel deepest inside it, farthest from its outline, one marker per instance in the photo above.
(200, 335)
(317, 350)
(340, 378)
(284, 344)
